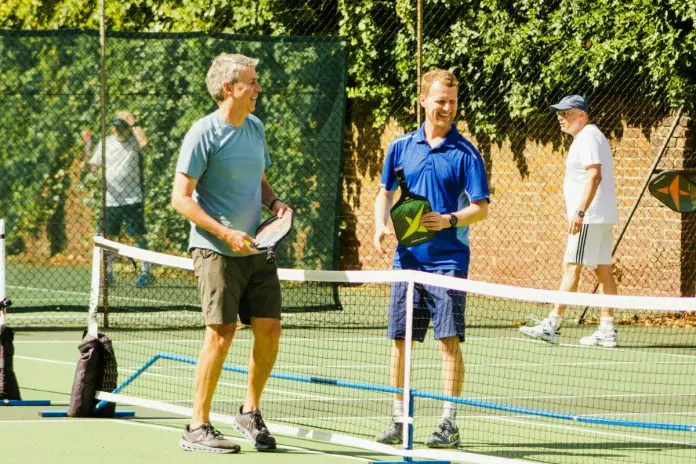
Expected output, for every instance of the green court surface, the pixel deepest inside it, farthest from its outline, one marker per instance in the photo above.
(524, 399)
(45, 362)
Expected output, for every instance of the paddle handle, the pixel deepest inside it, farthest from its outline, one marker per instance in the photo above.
(401, 179)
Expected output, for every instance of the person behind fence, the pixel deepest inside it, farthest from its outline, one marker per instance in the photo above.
(444, 167)
(220, 187)
(124, 185)
(591, 209)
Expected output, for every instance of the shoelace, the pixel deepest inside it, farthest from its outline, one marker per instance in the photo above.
(444, 427)
(258, 422)
(214, 432)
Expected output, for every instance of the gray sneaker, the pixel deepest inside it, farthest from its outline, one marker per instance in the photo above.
(251, 425)
(392, 435)
(207, 439)
(446, 435)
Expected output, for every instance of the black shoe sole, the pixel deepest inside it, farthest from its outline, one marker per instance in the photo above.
(245, 434)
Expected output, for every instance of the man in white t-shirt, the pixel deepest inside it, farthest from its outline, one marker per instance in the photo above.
(124, 185)
(592, 211)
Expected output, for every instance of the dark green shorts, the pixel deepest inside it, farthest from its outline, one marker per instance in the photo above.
(133, 216)
(236, 287)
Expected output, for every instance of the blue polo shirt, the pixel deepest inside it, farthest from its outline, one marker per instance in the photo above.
(450, 175)
(228, 162)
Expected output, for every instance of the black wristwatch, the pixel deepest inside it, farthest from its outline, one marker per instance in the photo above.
(453, 220)
(270, 205)
(581, 214)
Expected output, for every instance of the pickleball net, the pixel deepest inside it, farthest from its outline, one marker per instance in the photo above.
(332, 378)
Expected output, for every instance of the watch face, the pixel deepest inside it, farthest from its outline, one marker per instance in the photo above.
(453, 220)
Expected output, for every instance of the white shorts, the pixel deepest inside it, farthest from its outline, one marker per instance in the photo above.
(591, 247)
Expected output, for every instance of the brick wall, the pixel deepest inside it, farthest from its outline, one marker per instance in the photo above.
(523, 240)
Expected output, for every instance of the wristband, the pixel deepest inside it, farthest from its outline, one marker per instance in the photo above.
(270, 205)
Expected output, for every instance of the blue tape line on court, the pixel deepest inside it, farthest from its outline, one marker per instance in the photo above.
(556, 415)
(25, 403)
(125, 413)
(426, 395)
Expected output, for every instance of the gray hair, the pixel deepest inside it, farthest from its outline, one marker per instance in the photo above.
(226, 67)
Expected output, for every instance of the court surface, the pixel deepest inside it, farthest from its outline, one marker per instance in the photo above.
(45, 362)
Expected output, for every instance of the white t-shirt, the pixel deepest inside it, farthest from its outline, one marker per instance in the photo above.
(589, 147)
(122, 171)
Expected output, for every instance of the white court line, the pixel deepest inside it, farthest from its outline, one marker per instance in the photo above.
(579, 363)
(134, 342)
(86, 295)
(138, 423)
(293, 340)
(290, 400)
(223, 383)
(333, 398)
(45, 360)
(564, 427)
(646, 350)
(591, 432)
(36, 289)
(680, 413)
(576, 397)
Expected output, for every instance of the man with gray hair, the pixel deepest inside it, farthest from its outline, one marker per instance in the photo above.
(592, 211)
(220, 187)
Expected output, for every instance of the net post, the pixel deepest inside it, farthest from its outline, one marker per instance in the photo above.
(102, 123)
(92, 324)
(408, 341)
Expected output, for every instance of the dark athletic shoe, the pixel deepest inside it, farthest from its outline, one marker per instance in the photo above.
(446, 435)
(392, 435)
(251, 425)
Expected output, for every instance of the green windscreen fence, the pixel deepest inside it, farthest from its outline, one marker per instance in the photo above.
(50, 93)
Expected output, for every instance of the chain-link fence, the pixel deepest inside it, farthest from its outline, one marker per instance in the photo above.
(339, 83)
(513, 64)
(156, 91)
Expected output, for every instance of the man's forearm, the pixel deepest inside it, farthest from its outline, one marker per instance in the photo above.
(382, 207)
(194, 213)
(267, 193)
(473, 213)
(589, 192)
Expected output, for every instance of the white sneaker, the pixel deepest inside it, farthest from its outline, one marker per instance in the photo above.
(543, 331)
(603, 338)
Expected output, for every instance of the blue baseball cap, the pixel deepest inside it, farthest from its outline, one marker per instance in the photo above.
(571, 101)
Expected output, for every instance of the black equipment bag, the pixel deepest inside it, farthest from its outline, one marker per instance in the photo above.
(96, 370)
(9, 387)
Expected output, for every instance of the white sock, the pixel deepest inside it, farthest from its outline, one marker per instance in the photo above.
(606, 323)
(555, 320)
(398, 411)
(449, 411)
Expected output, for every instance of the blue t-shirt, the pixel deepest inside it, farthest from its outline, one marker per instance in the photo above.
(450, 175)
(228, 163)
